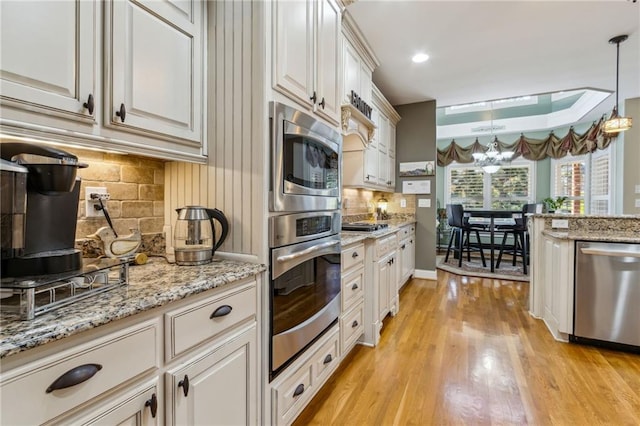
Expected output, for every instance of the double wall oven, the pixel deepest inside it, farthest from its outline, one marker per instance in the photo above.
(304, 232)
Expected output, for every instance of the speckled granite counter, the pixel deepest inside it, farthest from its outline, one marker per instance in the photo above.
(154, 284)
(615, 237)
(621, 228)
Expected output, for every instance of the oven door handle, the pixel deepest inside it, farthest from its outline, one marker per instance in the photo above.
(306, 251)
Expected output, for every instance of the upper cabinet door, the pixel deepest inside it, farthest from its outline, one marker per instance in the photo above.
(154, 64)
(48, 57)
(293, 50)
(328, 60)
(352, 73)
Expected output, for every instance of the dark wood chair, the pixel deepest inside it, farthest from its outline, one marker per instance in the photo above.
(520, 246)
(461, 231)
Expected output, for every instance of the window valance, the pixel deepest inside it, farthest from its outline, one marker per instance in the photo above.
(534, 149)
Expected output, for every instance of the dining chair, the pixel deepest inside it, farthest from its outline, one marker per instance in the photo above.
(520, 235)
(461, 231)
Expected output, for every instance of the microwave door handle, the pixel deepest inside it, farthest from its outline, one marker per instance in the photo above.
(612, 253)
(306, 251)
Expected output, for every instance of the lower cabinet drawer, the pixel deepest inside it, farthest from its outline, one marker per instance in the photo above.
(191, 325)
(42, 390)
(292, 391)
(326, 360)
(351, 327)
(352, 288)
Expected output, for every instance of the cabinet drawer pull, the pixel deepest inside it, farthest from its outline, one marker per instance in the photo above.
(299, 390)
(89, 105)
(184, 384)
(354, 287)
(403, 247)
(75, 376)
(327, 359)
(314, 98)
(153, 404)
(221, 311)
(354, 324)
(322, 103)
(355, 254)
(122, 113)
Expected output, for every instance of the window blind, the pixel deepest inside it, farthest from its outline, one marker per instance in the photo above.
(599, 202)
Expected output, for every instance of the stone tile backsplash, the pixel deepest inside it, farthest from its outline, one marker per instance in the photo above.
(360, 204)
(136, 188)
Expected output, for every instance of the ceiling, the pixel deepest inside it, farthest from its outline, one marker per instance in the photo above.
(490, 50)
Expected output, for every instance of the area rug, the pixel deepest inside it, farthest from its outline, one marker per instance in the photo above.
(475, 269)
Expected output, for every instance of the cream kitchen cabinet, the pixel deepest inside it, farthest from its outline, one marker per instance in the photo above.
(140, 406)
(292, 390)
(381, 275)
(48, 58)
(558, 286)
(218, 385)
(306, 54)
(208, 373)
(352, 296)
(127, 76)
(52, 386)
(154, 67)
(407, 253)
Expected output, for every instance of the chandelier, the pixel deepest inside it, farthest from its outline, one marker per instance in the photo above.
(615, 123)
(492, 159)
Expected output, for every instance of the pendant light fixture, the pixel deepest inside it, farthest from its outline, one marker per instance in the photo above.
(615, 123)
(492, 159)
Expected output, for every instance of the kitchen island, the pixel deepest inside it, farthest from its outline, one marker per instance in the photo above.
(553, 256)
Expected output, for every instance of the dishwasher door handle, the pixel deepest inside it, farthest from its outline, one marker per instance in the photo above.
(612, 253)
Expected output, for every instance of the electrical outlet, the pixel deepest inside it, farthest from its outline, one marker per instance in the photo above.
(403, 202)
(638, 203)
(92, 203)
(637, 189)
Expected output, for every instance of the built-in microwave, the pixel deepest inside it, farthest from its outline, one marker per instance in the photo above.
(306, 162)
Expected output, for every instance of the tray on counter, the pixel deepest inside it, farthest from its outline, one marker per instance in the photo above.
(35, 295)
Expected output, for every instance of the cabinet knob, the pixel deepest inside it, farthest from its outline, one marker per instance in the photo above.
(355, 254)
(403, 247)
(122, 113)
(299, 390)
(314, 98)
(153, 405)
(322, 103)
(184, 384)
(327, 359)
(354, 324)
(354, 287)
(75, 376)
(89, 105)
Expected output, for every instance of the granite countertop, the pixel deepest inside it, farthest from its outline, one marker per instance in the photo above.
(615, 237)
(152, 285)
(585, 216)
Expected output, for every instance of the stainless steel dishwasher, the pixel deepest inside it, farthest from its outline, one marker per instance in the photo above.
(607, 293)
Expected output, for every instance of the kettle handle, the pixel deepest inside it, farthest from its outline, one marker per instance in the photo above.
(220, 217)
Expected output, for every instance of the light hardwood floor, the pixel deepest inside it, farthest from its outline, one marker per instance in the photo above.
(465, 350)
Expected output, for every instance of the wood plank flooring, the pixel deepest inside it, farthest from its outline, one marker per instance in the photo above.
(465, 350)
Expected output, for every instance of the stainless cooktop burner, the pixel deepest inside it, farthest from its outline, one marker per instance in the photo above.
(363, 226)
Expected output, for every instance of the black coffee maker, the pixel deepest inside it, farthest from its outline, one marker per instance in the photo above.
(38, 237)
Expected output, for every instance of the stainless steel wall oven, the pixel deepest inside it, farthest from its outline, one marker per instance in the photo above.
(306, 157)
(304, 282)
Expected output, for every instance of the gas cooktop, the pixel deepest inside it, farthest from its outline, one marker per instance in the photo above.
(363, 226)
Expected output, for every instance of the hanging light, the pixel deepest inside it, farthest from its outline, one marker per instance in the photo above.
(615, 123)
(492, 159)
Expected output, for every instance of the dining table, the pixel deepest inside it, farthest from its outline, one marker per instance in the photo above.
(492, 218)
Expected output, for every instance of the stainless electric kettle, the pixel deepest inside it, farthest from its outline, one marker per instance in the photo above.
(194, 239)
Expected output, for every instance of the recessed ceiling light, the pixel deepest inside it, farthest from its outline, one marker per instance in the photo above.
(418, 58)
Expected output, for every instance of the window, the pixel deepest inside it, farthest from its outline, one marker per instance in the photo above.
(585, 181)
(507, 189)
